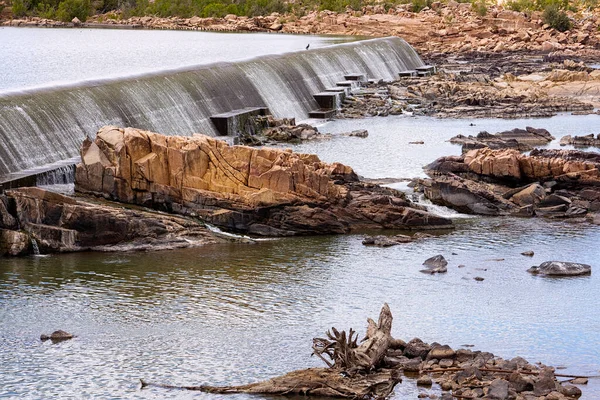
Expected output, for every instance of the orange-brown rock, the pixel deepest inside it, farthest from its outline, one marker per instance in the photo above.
(258, 190)
(539, 165)
(549, 183)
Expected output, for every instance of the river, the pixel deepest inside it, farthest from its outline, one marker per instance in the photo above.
(41, 57)
(232, 314)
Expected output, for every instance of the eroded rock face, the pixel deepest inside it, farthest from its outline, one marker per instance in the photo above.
(261, 191)
(62, 224)
(539, 165)
(549, 183)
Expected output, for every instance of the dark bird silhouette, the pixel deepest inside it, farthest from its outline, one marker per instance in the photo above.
(307, 46)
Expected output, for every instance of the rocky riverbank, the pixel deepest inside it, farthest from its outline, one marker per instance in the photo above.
(545, 183)
(485, 85)
(449, 28)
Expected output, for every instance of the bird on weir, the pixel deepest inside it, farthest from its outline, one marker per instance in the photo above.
(307, 46)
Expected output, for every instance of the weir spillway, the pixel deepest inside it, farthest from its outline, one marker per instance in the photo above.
(44, 126)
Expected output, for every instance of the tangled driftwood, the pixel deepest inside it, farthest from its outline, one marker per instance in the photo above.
(352, 372)
(371, 368)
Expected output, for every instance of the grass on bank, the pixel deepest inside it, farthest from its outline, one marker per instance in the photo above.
(65, 10)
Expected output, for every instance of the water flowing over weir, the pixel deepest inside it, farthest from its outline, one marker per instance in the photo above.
(43, 126)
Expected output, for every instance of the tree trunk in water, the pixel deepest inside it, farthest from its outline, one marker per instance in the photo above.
(353, 373)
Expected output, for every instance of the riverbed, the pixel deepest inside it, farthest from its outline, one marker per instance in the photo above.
(237, 313)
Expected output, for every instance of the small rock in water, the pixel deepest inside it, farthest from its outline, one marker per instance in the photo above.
(56, 336)
(424, 380)
(436, 264)
(361, 133)
(561, 268)
(417, 142)
(461, 265)
(479, 278)
(529, 253)
(580, 381)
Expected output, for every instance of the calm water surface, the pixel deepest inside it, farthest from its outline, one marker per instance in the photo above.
(232, 314)
(33, 57)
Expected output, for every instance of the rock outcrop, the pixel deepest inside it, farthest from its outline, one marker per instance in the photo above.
(60, 223)
(550, 183)
(581, 141)
(519, 139)
(256, 190)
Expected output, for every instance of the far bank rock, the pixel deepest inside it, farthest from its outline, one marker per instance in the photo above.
(262, 191)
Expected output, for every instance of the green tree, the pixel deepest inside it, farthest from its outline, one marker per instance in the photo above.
(69, 9)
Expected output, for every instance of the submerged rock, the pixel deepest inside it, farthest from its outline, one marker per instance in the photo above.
(561, 268)
(57, 336)
(436, 264)
(261, 191)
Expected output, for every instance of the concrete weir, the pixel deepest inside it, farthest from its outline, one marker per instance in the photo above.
(44, 126)
(232, 122)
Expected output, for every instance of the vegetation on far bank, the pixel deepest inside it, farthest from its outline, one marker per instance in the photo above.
(554, 11)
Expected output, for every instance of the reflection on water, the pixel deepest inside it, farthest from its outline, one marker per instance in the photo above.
(386, 152)
(68, 55)
(230, 314)
(238, 313)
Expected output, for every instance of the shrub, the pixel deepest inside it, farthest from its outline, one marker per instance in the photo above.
(556, 18)
(521, 5)
(20, 8)
(418, 5)
(69, 9)
(480, 7)
(45, 10)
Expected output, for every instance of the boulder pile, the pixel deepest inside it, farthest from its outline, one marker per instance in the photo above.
(549, 183)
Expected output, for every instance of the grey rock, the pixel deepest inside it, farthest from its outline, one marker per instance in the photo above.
(520, 383)
(441, 352)
(57, 336)
(424, 380)
(498, 390)
(416, 348)
(386, 241)
(570, 390)
(561, 268)
(545, 383)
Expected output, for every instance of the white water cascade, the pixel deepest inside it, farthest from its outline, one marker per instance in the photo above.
(43, 126)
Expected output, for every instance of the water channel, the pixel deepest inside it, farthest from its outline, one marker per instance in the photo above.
(232, 314)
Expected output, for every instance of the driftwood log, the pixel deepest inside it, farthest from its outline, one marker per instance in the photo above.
(353, 369)
(371, 368)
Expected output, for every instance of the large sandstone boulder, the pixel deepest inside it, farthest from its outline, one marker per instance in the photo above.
(539, 165)
(548, 183)
(257, 190)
